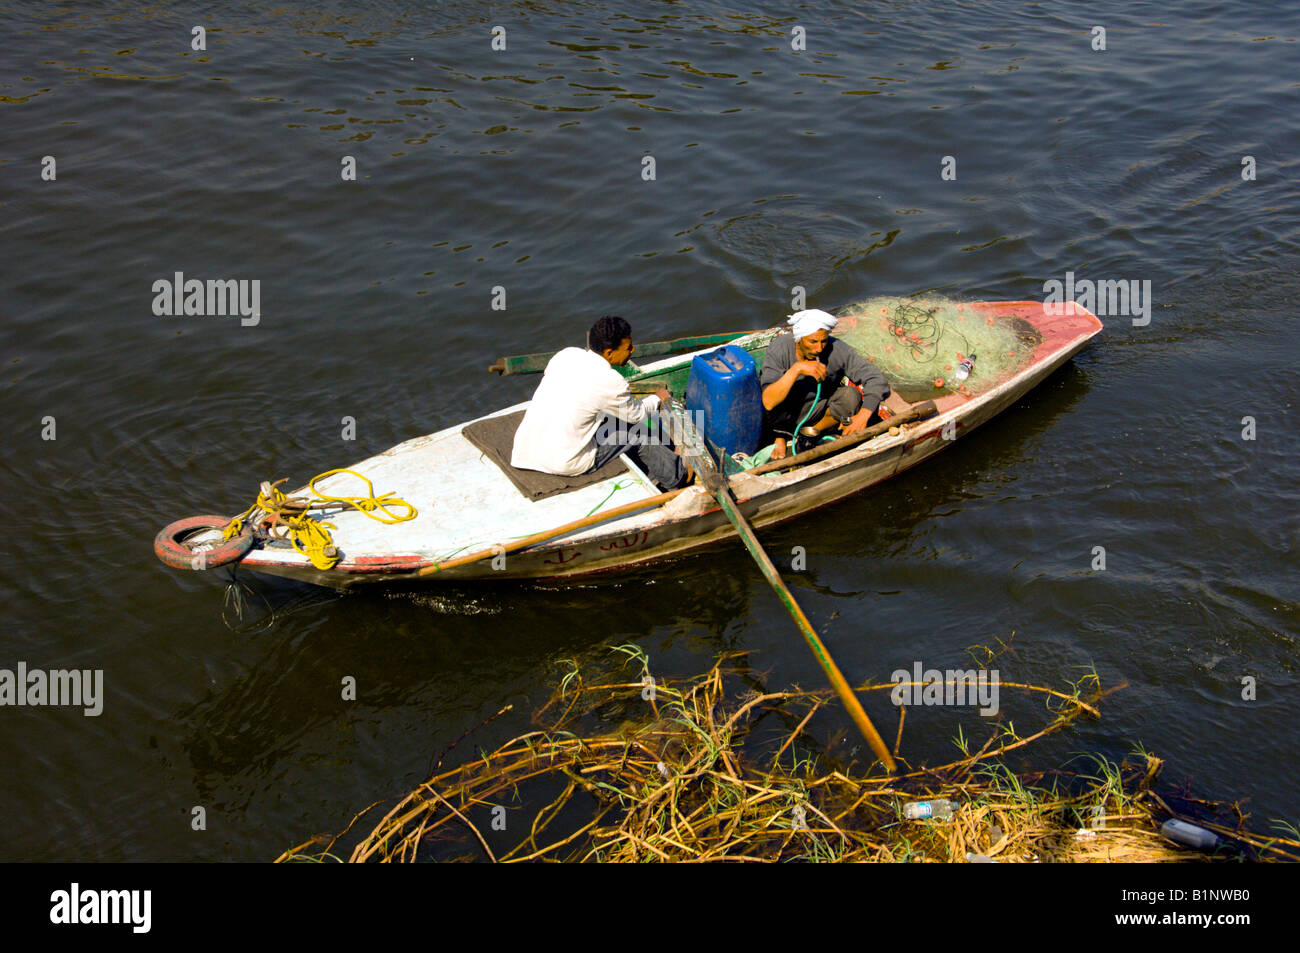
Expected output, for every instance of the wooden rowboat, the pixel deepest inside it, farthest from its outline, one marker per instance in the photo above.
(467, 504)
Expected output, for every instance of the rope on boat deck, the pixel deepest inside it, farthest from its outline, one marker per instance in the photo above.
(310, 537)
(620, 485)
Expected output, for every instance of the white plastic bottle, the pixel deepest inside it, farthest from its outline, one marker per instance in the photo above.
(1180, 832)
(964, 368)
(938, 809)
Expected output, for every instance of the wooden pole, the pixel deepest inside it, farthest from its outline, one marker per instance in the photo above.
(712, 479)
(536, 363)
(806, 629)
(917, 412)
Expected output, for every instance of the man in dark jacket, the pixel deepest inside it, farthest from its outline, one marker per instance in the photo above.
(797, 365)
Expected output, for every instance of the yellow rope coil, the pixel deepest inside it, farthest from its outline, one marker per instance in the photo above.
(365, 503)
(310, 537)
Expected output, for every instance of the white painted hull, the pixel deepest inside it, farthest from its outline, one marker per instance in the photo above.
(466, 505)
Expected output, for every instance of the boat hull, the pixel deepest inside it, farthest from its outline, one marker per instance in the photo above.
(694, 521)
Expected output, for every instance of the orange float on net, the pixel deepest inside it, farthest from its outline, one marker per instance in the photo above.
(938, 382)
(947, 367)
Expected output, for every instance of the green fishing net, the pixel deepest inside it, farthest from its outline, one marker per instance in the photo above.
(919, 344)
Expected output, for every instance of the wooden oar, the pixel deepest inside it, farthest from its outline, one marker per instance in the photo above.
(716, 484)
(914, 413)
(543, 536)
(536, 363)
(640, 388)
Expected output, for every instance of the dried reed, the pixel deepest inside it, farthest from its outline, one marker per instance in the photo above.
(691, 782)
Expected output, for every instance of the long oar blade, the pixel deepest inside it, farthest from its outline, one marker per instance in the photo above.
(717, 484)
(536, 363)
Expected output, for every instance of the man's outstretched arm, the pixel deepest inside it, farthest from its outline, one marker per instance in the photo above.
(632, 409)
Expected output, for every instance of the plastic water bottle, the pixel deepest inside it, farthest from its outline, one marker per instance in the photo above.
(1180, 832)
(964, 368)
(979, 859)
(938, 809)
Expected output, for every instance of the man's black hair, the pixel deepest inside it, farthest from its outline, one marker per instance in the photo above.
(608, 333)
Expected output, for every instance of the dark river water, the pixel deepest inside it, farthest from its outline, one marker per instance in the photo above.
(1168, 157)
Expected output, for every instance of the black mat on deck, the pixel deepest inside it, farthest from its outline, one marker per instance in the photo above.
(496, 438)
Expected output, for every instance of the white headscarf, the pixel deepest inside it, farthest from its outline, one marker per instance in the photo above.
(811, 321)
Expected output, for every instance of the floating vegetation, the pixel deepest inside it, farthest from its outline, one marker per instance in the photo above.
(715, 769)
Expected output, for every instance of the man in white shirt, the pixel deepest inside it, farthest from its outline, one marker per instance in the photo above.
(572, 425)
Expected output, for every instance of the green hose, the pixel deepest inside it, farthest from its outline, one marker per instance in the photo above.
(794, 437)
